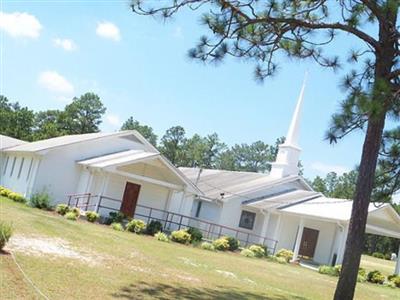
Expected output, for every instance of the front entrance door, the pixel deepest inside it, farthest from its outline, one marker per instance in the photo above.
(130, 199)
(308, 242)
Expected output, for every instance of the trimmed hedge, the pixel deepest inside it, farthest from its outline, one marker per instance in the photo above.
(207, 246)
(12, 195)
(181, 236)
(153, 227)
(92, 216)
(195, 235)
(221, 244)
(136, 226)
(162, 237)
(257, 250)
(71, 216)
(286, 254)
(248, 253)
(62, 209)
(376, 277)
(117, 226)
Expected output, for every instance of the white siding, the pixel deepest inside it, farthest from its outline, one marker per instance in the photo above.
(17, 179)
(287, 237)
(150, 195)
(59, 173)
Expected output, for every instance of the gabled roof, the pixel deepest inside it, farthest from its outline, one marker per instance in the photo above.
(123, 157)
(60, 141)
(382, 218)
(222, 184)
(135, 156)
(8, 142)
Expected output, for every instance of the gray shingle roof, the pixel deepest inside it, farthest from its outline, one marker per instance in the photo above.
(213, 183)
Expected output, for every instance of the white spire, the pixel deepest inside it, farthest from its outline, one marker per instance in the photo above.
(287, 159)
(292, 137)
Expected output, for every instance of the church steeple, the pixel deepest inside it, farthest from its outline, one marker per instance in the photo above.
(287, 160)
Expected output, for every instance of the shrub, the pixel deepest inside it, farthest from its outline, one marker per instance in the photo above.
(338, 269)
(92, 216)
(395, 279)
(76, 211)
(233, 243)
(207, 246)
(62, 209)
(376, 277)
(117, 226)
(160, 236)
(16, 197)
(153, 227)
(378, 255)
(5, 234)
(136, 226)
(71, 216)
(5, 192)
(181, 236)
(221, 244)
(114, 217)
(40, 200)
(280, 260)
(247, 253)
(286, 254)
(196, 235)
(328, 270)
(257, 250)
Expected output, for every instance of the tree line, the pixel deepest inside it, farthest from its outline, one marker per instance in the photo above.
(84, 115)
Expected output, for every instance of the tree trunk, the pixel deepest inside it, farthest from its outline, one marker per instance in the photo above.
(385, 58)
(355, 239)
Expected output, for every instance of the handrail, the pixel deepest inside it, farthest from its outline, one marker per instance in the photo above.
(211, 230)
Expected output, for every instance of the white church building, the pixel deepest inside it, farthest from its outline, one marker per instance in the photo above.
(122, 171)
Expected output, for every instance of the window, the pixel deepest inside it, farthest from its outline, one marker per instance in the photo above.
(29, 170)
(247, 219)
(198, 209)
(12, 166)
(5, 167)
(20, 167)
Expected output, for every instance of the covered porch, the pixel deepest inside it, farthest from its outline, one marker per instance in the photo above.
(382, 220)
(125, 180)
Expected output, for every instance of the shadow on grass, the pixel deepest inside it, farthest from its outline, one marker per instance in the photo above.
(144, 290)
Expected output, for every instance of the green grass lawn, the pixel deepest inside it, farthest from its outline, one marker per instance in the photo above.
(372, 263)
(122, 265)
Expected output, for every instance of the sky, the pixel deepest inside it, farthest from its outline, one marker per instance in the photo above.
(52, 51)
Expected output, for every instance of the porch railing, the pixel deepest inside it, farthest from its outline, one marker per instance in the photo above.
(171, 220)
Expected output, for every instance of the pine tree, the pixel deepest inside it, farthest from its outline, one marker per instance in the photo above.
(262, 30)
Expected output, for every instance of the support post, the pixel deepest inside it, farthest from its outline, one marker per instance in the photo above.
(264, 228)
(342, 245)
(277, 231)
(397, 270)
(298, 241)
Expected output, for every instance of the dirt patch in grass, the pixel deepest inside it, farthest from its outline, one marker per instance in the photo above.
(57, 247)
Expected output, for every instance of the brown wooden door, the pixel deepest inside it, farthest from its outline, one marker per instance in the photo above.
(129, 201)
(308, 242)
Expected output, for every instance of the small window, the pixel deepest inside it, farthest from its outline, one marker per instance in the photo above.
(6, 165)
(198, 209)
(12, 167)
(247, 219)
(30, 169)
(20, 167)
